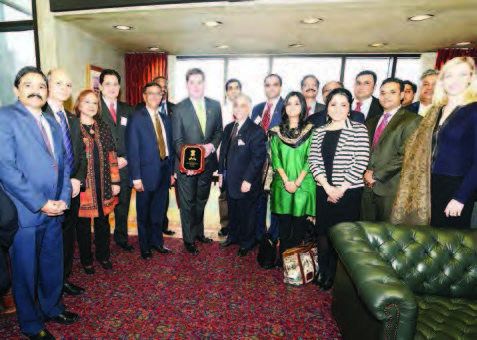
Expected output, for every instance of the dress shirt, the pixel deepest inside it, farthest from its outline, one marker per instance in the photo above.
(46, 126)
(153, 115)
(115, 105)
(423, 109)
(227, 112)
(55, 108)
(365, 106)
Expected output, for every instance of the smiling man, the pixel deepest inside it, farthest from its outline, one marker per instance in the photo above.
(364, 101)
(309, 88)
(388, 134)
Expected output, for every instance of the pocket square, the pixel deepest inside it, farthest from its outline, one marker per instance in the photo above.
(241, 142)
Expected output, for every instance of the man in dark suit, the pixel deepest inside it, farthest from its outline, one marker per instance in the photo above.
(196, 120)
(35, 175)
(115, 113)
(60, 87)
(150, 160)
(410, 90)
(8, 229)
(388, 135)
(242, 156)
(309, 87)
(364, 101)
(321, 118)
(428, 82)
(268, 115)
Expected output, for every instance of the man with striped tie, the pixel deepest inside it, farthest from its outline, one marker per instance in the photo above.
(60, 87)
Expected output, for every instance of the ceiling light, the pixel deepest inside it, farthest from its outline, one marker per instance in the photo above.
(222, 46)
(153, 48)
(296, 45)
(463, 43)
(213, 23)
(421, 17)
(377, 45)
(311, 21)
(123, 27)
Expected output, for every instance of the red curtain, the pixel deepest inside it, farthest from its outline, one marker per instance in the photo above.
(445, 54)
(140, 70)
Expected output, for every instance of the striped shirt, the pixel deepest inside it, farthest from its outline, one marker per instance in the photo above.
(351, 156)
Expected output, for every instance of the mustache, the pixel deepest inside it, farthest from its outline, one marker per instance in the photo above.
(311, 90)
(35, 95)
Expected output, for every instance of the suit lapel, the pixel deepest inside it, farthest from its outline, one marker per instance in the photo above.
(107, 114)
(391, 126)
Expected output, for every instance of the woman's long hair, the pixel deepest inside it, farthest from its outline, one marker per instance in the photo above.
(80, 98)
(302, 122)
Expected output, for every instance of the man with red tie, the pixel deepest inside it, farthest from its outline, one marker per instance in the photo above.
(364, 101)
(268, 115)
(309, 87)
(388, 134)
(115, 113)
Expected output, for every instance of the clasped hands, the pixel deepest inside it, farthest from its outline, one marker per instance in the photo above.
(244, 188)
(291, 186)
(54, 208)
(334, 193)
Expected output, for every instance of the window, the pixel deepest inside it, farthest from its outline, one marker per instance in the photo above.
(15, 10)
(292, 70)
(381, 66)
(409, 69)
(250, 72)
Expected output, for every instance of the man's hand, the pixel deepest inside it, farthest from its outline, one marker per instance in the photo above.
(454, 208)
(209, 148)
(122, 162)
(137, 184)
(116, 189)
(53, 208)
(76, 186)
(221, 180)
(173, 180)
(245, 186)
(368, 178)
(190, 173)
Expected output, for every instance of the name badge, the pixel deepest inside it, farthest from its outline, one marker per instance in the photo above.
(124, 121)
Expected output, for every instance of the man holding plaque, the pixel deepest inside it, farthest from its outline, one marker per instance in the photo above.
(196, 126)
(150, 159)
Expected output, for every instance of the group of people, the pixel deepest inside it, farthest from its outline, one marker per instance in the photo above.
(356, 157)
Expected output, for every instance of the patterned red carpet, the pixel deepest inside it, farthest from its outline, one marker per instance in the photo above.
(214, 295)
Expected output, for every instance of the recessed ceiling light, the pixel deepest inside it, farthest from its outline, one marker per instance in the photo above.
(123, 27)
(223, 46)
(311, 21)
(421, 17)
(152, 48)
(213, 23)
(463, 43)
(377, 45)
(296, 45)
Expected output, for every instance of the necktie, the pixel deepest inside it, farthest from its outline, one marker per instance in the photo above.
(66, 139)
(44, 134)
(358, 106)
(266, 117)
(201, 115)
(113, 112)
(231, 141)
(160, 138)
(308, 111)
(380, 129)
(164, 108)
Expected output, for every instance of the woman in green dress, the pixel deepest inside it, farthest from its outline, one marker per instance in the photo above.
(293, 188)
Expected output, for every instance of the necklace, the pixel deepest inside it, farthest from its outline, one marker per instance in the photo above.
(90, 127)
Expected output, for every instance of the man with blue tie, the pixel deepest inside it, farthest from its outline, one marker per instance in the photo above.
(35, 174)
(150, 159)
(268, 115)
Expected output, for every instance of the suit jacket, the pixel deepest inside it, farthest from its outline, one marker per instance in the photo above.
(80, 162)
(243, 160)
(387, 157)
(414, 107)
(168, 104)
(276, 119)
(118, 129)
(186, 128)
(142, 149)
(29, 173)
(375, 109)
(320, 118)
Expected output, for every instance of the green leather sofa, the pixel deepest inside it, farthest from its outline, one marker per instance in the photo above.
(405, 282)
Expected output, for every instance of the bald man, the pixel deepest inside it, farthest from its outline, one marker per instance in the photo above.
(60, 87)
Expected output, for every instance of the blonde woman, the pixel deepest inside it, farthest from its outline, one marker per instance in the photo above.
(439, 175)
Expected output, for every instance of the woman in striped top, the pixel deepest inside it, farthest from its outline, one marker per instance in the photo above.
(338, 158)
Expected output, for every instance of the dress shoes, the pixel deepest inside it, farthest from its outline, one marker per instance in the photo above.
(327, 284)
(71, 289)
(224, 231)
(42, 335)
(162, 250)
(89, 270)
(65, 318)
(146, 255)
(242, 252)
(226, 243)
(127, 247)
(204, 239)
(191, 248)
(106, 265)
(168, 232)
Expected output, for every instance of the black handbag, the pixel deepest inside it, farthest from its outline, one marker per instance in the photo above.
(268, 252)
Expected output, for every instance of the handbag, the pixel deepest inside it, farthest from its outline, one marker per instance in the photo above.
(300, 264)
(268, 253)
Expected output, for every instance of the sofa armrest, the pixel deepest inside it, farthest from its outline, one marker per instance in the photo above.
(388, 299)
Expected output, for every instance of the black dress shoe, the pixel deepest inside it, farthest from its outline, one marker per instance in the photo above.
(242, 252)
(65, 318)
(162, 249)
(127, 247)
(224, 231)
(146, 255)
(327, 284)
(106, 265)
(89, 270)
(168, 232)
(42, 335)
(71, 289)
(191, 248)
(204, 239)
(226, 243)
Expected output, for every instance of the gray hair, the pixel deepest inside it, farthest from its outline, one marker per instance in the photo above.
(429, 72)
(244, 96)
